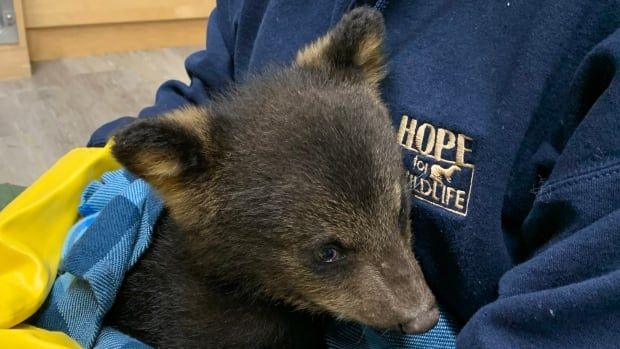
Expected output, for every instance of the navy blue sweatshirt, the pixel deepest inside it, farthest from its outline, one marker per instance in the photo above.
(508, 113)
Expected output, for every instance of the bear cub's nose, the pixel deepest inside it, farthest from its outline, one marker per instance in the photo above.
(423, 322)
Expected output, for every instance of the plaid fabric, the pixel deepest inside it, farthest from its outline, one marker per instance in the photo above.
(95, 263)
(120, 212)
(354, 336)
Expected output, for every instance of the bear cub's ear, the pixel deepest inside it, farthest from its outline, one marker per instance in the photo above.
(165, 150)
(353, 47)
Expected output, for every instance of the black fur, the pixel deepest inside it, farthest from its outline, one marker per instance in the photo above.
(171, 310)
(255, 184)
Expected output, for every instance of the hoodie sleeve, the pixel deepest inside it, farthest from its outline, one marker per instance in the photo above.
(209, 70)
(567, 294)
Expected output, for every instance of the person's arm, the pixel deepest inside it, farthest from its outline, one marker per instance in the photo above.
(209, 70)
(567, 295)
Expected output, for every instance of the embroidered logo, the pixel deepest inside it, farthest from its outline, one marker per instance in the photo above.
(437, 169)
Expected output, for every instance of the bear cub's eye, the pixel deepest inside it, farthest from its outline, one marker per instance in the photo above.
(329, 253)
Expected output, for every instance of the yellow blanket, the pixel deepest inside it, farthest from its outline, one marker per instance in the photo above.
(32, 233)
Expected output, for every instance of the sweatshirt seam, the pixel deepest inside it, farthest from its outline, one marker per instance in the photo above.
(589, 176)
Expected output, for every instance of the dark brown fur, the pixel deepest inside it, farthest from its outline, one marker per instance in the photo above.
(254, 185)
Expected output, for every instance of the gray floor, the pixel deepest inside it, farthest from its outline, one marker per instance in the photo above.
(43, 117)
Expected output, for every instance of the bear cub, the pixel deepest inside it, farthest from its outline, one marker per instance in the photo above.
(286, 205)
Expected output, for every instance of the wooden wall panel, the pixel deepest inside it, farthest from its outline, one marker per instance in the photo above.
(54, 43)
(14, 60)
(69, 28)
(59, 13)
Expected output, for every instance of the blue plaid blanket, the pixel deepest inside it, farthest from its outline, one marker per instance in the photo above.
(95, 263)
(120, 211)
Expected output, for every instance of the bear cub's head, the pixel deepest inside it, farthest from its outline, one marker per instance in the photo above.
(292, 185)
